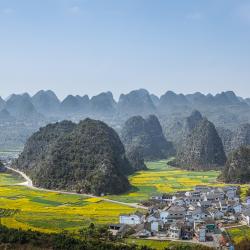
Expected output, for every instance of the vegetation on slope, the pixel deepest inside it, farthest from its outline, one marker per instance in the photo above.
(237, 168)
(146, 135)
(202, 148)
(53, 212)
(90, 238)
(88, 157)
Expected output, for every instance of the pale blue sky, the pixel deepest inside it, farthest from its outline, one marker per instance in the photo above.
(89, 46)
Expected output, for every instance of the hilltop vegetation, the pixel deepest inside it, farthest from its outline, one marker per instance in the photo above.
(237, 168)
(86, 157)
(2, 168)
(146, 135)
(202, 148)
(234, 139)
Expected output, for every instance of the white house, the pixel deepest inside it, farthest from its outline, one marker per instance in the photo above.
(231, 193)
(246, 216)
(248, 201)
(201, 233)
(223, 206)
(174, 231)
(154, 226)
(164, 216)
(237, 208)
(216, 214)
(153, 217)
(131, 219)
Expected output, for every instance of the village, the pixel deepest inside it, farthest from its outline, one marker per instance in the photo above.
(199, 216)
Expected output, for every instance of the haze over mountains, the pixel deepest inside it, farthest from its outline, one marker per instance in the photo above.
(23, 114)
(201, 131)
(137, 102)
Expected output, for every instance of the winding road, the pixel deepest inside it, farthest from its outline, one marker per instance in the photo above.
(28, 183)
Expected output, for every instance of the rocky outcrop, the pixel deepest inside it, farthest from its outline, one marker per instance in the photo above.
(146, 135)
(202, 149)
(237, 168)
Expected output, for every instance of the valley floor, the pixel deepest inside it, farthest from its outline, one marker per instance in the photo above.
(54, 211)
(162, 178)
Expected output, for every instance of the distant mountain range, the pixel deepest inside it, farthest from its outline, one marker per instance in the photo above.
(223, 109)
(228, 112)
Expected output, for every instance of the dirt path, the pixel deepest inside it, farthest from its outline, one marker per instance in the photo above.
(28, 183)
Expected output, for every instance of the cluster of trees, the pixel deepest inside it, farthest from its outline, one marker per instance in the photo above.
(237, 168)
(91, 238)
(243, 244)
(2, 168)
(88, 238)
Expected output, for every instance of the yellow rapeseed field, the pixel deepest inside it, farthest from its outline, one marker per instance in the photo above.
(54, 212)
(161, 178)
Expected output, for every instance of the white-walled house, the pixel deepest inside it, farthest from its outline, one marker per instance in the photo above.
(246, 216)
(174, 231)
(131, 219)
(153, 217)
(164, 216)
(154, 226)
(237, 208)
(201, 234)
(216, 214)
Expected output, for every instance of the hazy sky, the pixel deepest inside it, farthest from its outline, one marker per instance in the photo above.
(89, 46)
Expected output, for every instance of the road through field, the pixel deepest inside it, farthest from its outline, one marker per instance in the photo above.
(28, 183)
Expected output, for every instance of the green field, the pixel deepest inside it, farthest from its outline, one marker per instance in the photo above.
(7, 179)
(156, 244)
(53, 212)
(162, 178)
(239, 233)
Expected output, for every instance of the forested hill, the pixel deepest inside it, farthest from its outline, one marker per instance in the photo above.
(237, 168)
(202, 148)
(146, 136)
(86, 157)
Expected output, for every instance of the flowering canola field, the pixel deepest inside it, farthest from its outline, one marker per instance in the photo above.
(162, 178)
(53, 212)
